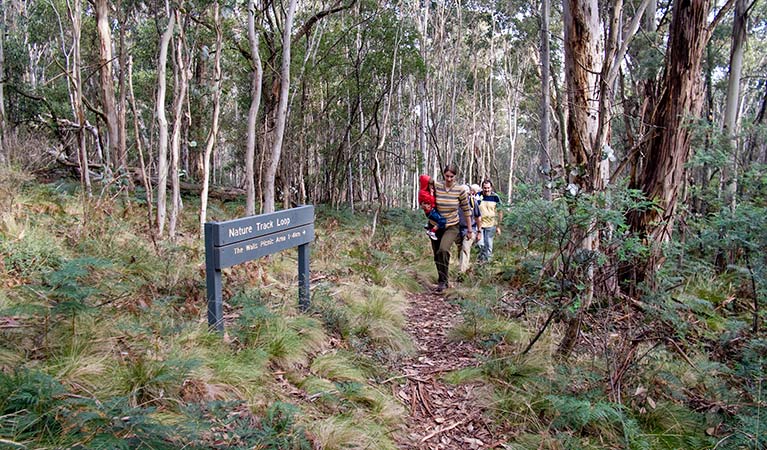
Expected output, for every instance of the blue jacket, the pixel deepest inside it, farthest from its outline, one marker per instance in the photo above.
(437, 218)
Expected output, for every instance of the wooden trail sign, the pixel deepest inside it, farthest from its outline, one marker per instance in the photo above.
(240, 240)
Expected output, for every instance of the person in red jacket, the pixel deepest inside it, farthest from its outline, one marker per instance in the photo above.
(427, 202)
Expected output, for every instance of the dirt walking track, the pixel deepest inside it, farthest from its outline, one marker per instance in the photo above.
(441, 415)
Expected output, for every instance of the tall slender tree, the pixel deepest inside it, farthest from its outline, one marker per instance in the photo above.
(545, 155)
(282, 109)
(75, 12)
(256, 78)
(213, 134)
(732, 101)
(162, 121)
(107, 81)
(181, 77)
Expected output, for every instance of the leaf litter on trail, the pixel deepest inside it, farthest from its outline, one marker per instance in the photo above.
(441, 415)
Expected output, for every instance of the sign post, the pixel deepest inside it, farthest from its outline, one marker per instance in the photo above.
(241, 240)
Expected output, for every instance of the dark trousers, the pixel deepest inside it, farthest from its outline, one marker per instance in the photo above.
(441, 248)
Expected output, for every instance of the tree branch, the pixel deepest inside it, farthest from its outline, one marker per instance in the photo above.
(307, 27)
(719, 16)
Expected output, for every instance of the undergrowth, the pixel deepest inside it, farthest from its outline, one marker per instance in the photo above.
(105, 341)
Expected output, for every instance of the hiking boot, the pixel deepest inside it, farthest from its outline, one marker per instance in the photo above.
(440, 288)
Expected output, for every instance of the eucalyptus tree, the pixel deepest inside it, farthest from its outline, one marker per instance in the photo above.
(257, 75)
(545, 158)
(593, 55)
(354, 62)
(74, 10)
(213, 134)
(3, 125)
(109, 110)
(423, 107)
(282, 109)
(181, 74)
(732, 102)
(162, 120)
(667, 148)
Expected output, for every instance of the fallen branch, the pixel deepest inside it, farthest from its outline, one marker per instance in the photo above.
(447, 428)
(682, 354)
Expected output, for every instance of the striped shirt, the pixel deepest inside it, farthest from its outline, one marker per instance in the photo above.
(449, 200)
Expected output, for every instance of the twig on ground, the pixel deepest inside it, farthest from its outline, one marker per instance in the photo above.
(447, 428)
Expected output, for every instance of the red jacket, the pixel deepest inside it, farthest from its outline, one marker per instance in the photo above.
(424, 195)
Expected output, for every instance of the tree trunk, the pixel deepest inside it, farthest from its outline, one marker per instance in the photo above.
(107, 81)
(583, 64)
(668, 148)
(214, 126)
(162, 125)
(182, 85)
(423, 24)
(122, 106)
(732, 103)
(3, 125)
(145, 177)
(544, 155)
(514, 79)
(74, 8)
(282, 110)
(255, 103)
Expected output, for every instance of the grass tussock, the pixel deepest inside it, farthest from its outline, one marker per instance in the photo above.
(378, 317)
(346, 432)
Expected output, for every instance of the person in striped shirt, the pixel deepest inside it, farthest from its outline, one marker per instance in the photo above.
(451, 197)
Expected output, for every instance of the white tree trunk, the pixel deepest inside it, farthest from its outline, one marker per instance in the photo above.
(255, 103)
(423, 144)
(162, 125)
(214, 126)
(182, 80)
(107, 81)
(136, 131)
(74, 8)
(733, 97)
(282, 109)
(544, 155)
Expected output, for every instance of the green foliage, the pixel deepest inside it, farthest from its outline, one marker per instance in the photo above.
(69, 286)
(335, 318)
(378, 320)
(671, 426)
(29, 256)
(286, 340)
(277, 430)
(115, 424)
(749, 425)
(586, 417)
(126, 377)
(474, 314)
(30, 404)
(480, 324)
(148, 381)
